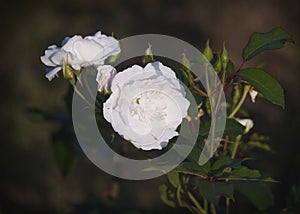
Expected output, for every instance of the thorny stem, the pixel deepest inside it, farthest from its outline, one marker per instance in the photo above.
(236, 145)
(81, 96)
(216, 107)
(198, 90)
(238, 138)
(223, 76)
(233, 76)
(204, 177)
(89, 89)
(178, 195)
(213, 121)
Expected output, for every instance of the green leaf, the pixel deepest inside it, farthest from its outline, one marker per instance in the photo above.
(182, 149)
(194, 154)
(222, 162)
(258, 193)
(173, 178)
(200, 173)
(194, 167)
(264, 83)
(163, 168)
(232, 128)
(245, 172)
(212, 190)
(230, 67)
(167, 196)
(260, 42)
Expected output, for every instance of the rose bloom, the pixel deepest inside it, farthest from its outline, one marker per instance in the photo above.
(104, 77)
(79, 52)
(146, 105)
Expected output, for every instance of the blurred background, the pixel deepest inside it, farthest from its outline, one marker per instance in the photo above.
(31, 180)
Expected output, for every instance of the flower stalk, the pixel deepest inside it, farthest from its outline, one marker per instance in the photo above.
(240, 103)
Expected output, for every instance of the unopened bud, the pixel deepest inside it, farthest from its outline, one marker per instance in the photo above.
(207, 52)
(218, 64)
(224, 56)
(186, 62)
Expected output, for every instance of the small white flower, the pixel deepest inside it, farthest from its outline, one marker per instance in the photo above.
(105, 75)
(79, 52)
(248, 123)
(253, 93)
(146, 105)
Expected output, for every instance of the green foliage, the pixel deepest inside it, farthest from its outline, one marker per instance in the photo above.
(232, 128)
(220, 177)
(167, 196)
(213, 190)
(264, 83)
(224, 174)
(260, 42)
(173, 177)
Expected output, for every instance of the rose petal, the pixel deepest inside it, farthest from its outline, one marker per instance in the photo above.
(69, 43)
(87, 50)
(105, 75)
(253, 93)
(248, 123)
(52, 72)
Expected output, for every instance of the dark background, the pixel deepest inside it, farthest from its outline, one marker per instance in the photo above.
(30, 180)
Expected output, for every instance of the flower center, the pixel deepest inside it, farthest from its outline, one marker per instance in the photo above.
(145, 108)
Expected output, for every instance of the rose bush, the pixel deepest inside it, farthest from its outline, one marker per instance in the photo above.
(79, 52)
(146, 105)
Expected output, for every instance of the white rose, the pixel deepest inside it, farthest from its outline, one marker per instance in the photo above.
(248, 123)
(80, 52)
(104, 77)
(91, 49)
(146, 105)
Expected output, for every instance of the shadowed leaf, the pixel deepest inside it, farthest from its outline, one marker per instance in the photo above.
(260, 42)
